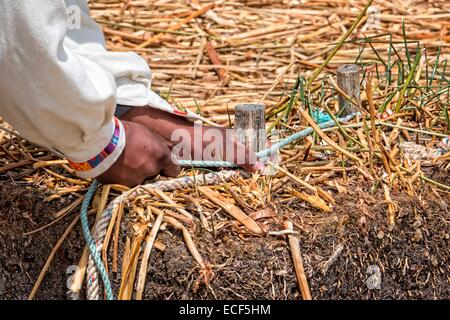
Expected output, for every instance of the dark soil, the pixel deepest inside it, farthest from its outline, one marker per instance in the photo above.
(412, 258)
(22, 209)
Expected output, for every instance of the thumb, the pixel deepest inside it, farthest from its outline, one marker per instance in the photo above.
(170, 167)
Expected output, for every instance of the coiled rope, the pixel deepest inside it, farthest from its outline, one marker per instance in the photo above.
(95, 243)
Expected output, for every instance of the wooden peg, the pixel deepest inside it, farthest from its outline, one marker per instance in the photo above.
(348, 81)
(249, 125)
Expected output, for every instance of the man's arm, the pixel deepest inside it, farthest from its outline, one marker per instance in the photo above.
(64, 98)
(52, 95)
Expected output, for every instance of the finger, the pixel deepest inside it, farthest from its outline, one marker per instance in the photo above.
(129, 180)
(164, 140)
(162, 162)
(172, 170)
(258, 166)
(170, 167)
(250, 163)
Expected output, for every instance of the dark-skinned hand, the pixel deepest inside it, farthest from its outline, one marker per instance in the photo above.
(164, 123)
(145, 155)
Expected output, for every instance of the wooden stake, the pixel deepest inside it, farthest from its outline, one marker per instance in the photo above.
(249, 126)
(348, 81)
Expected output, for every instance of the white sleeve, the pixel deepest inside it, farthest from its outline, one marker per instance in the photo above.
(131, 72)
(52, 95)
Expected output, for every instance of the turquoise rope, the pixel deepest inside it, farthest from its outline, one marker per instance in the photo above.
(321, 116)
(90, 242)
(263, 154)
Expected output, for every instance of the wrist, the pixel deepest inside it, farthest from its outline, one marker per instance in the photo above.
(102, 160)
